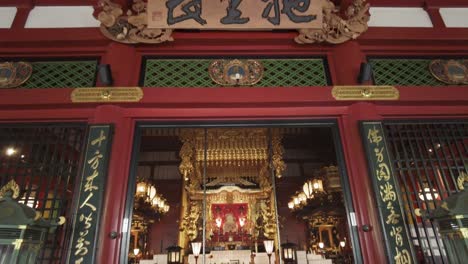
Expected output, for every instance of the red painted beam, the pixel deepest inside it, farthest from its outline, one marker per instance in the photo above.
(229, 42)
(235, 97)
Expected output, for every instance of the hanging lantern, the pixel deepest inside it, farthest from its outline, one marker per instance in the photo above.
(289, 252)
(141, 189)
(302, 197)
(296, 200)
(308, 189)
(317, 185)
(151, 192)
(174, 255)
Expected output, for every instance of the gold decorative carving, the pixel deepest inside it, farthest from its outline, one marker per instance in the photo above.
(462, 178)
(130, 28)
(365, 93)
(450, 71)
(107, 95)
(186, 153)
(11, 186)
(237, 156)
(335, 29)
(190, 221)
(13, 74)
(265, 223)
(278, 151)
(236, 72)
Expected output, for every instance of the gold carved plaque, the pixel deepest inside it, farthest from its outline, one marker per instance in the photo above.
(368, 92)
(107, 95)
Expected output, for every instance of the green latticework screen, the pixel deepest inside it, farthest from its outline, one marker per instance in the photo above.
(194, 73)
(62, 74)
(405, 72)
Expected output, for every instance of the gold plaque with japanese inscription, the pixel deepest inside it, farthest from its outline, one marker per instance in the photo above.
(368, 92)
(234, 14)
(107, 95)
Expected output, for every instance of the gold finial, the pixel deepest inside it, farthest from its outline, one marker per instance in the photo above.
(10, 186)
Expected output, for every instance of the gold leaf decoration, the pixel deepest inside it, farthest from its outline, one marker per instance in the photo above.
(335, 29)
(132, 28)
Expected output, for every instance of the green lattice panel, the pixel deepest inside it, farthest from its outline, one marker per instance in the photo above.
(194, 73)
(406, 72)
(62, 74)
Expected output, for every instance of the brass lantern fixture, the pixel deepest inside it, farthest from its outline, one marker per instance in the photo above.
(452, 218)
(174, 255)
(289, 253)
(23, 229)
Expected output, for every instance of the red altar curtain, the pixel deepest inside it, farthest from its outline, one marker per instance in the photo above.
(226, 219)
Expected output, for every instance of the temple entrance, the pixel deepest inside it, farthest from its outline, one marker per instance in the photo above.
(239, 195)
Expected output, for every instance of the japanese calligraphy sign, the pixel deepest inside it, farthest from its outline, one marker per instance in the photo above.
(399, 249)
(86, 222)
(235, 14)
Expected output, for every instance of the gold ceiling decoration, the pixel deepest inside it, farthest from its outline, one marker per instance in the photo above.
(131, 26)
(232, 155)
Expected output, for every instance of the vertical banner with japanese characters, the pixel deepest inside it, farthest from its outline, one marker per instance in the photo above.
(398, 245)
(90, 196)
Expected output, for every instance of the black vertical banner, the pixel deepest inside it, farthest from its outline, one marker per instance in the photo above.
(90, 196)
(398, 245)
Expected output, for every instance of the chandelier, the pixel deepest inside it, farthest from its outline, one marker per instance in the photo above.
(148, 202)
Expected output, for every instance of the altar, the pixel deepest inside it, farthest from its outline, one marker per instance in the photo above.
(232, 257)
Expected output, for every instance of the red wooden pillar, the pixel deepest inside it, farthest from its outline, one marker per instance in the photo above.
(345, 63)
(117, 180)
(365, 206)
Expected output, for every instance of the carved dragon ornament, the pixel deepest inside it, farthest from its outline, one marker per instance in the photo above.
(132, 27)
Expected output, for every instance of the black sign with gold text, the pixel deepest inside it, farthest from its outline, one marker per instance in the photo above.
(398, 245)
(91, 192)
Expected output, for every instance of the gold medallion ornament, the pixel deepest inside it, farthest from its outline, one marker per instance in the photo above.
(450, 71)
(13, 74)
(236, 72)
